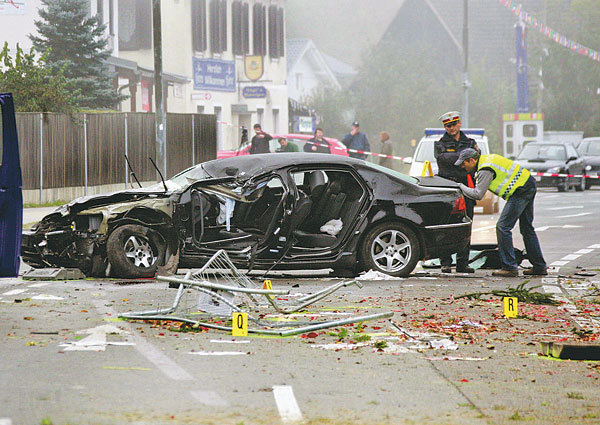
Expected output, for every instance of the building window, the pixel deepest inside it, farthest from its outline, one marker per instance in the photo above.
(259, 24)
(276, 32)
(135, 25)
(111, 17)
(218, 26)
(530, 130)
(199, 43)
(241, 30)
(100, 11)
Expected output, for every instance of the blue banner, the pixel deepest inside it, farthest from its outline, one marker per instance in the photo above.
(11, 198)
(214, 74)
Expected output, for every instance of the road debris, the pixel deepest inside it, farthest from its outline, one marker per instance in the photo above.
(526, 295)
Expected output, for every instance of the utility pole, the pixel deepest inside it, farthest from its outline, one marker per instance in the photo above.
(466, 82)
(161, 122)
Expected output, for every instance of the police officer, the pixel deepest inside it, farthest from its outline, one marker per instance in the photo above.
(446, 152)
(515, 184)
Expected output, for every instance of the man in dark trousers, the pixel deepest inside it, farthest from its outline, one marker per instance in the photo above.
(446, 152)
(514, 184)
(260, 141)
(357, 141)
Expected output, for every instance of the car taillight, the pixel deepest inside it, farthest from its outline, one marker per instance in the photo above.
(459, 206)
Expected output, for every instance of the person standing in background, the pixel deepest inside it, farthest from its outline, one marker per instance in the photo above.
(357, 141)
(386, 149)
(317, 144)
(260, 141)
(446, 152)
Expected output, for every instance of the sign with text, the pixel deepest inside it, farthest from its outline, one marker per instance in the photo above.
(214, 74)
(510, 306)
(13, 7)
(239, 324)
(306, 124)
(258, 92)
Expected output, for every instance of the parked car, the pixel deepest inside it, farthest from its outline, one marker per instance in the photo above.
(553, 158)
(425, 152)
(589, 148)
(337, 147)
(266, 211)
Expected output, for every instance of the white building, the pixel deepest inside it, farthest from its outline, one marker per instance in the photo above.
(222, 57)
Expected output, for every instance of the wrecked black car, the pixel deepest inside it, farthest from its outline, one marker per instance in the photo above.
(271, 211)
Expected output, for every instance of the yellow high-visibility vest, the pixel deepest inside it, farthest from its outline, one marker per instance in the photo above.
(509, 175)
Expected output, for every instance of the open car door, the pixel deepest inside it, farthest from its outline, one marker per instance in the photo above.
(11, 197)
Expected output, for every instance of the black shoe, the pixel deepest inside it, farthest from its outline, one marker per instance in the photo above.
(446, 269)
(464, 269)
(535, 272)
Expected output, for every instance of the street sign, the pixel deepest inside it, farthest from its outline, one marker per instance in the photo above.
(255, 92)
(214, 74)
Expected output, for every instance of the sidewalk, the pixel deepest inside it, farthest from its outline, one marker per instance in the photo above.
(33, 215)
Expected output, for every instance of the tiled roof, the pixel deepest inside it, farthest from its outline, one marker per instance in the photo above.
(295, 48)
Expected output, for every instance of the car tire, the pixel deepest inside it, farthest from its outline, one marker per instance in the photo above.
(391, 248)
(135, 251)
(581, 186)
(588, 184)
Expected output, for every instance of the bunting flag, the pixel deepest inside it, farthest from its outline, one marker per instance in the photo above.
(549, 32)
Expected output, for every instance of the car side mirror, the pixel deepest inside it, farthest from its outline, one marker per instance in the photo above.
(572, 158)
(512, 157)
(408, 160)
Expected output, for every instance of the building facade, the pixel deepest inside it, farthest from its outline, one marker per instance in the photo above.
(222, 57)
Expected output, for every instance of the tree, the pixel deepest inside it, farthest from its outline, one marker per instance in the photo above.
(76, 45)
(33, 85)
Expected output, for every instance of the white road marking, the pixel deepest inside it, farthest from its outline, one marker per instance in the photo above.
(5, 421)
(287, 404)
(544, 228)
(480, 229)
(218, 353)
(227, 341)
(46, 297)
(559, 263)
(596, 246)
(38, 285)
(15, 292)
(149, 351)
(550, 280)
(551, 289)
(584, 251)
(564, 208)
(210, 398)
(574, 215)
(570, 257)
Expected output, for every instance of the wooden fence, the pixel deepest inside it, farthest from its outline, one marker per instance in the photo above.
(58, 151)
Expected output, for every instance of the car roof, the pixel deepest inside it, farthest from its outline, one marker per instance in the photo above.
(251, 165)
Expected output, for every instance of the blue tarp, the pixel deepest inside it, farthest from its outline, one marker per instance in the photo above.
(11, 196)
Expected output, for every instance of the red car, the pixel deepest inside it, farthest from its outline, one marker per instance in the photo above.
(337, 147)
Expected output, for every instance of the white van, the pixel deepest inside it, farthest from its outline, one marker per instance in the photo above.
(425, 152)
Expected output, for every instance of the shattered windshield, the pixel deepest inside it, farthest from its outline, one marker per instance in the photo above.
(186, 177)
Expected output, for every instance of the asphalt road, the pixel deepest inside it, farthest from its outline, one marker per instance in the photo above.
(149, 373)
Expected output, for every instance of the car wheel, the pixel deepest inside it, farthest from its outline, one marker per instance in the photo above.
(390, 248)
(564, 185)
(135, 251)
(588, 183)
(581, 186)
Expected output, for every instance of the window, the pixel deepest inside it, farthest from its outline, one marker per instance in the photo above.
(199, 43)
(218, 26)
(100, 11)
(111, 17)
(135, 24)
(509, 147)
(530, 130)
(240, 24)
(259, 23)
(509, 130)
(276, 38)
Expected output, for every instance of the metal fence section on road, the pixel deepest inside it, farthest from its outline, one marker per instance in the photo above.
(60, 151)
